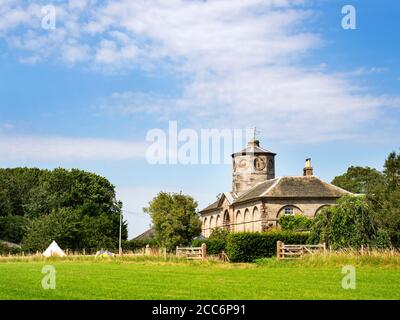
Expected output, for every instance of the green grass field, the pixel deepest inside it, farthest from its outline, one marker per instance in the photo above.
(154, 279)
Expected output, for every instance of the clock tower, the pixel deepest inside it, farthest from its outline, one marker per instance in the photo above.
(251, 166)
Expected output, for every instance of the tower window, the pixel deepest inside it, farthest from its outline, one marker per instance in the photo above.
(289, 210)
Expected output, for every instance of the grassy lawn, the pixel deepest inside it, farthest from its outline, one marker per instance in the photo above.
(89, 279)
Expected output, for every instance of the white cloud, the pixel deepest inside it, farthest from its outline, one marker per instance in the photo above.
(68, 149)
(242, 61)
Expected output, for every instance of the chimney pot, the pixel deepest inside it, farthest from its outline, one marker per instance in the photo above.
(308, 170)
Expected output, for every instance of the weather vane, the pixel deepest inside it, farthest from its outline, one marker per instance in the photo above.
(255, 132)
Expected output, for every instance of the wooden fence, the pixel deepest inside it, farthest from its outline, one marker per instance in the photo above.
(192, 253)
(297, 251)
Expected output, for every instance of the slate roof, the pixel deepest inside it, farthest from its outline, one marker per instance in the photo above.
(253, 147)
(147, 235)
(230, 196)
(289, 187)
(293, 187)
(213, 205)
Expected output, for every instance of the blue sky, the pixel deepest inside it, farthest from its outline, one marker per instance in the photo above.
(85, 94)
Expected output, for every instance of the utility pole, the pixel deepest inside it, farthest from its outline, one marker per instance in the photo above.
(120, 234)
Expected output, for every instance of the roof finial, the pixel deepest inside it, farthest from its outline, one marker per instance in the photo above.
(255, 132)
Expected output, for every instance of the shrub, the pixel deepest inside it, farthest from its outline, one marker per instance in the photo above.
(248, 246)
(296, 222)
(214, 246)
(6, 249)
(216, 243)
(349, 224)
(133, 245)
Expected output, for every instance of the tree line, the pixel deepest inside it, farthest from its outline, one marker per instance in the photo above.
(78, 209)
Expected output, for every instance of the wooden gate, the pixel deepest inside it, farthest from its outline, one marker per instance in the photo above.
(192, 253)
(297, 251)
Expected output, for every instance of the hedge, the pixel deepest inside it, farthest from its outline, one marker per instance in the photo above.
(134, 245)
(5, 249)
(214, 246)
(248, 246)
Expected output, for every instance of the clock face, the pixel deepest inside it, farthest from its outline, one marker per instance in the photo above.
(259, 164)
(242, 163)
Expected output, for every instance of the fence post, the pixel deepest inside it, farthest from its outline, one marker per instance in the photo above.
(362, 249)
(203, 250)
(278, 249)
(84, 251)
(177, 251)
(324, 247)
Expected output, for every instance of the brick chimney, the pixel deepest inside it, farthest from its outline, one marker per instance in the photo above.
(308, 170)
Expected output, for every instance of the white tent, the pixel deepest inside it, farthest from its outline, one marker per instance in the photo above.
(54, 250)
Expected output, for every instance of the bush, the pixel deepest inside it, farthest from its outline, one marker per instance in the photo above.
(6, 249)
(216, 243)
(248, 246)
(296, 222)
(349, 224)
(133, 245)
(214, 246)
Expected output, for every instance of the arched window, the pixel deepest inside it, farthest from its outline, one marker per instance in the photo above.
(247, 221)
(227, 221)
(239, 221)
(211, 225)
(320, 208)
(288, 210)
(218, 222)
(256, 224)
(205, 226)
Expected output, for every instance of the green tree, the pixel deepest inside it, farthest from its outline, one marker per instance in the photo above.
(348, 224)
(175, 219)
(13, 228)
(386, 203)
(360, 180)
(74, 230)
(219, 234)
(28, 195)
(297, 222)
(63, 226)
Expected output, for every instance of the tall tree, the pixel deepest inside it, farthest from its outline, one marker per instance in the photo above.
(387, 203)
(348, 224)
(175, 219)
(360, 180)
(30, 197)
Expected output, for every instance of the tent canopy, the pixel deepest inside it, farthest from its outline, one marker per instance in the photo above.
(54, 250)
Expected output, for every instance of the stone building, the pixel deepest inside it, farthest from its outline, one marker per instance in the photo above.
(258, 199)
